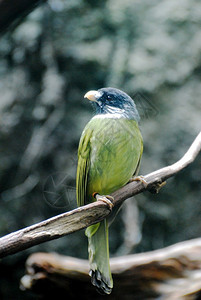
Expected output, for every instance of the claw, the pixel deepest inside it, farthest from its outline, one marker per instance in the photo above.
(109, 200)
(141, 179)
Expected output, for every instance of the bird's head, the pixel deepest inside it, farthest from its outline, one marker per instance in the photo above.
(113, 101)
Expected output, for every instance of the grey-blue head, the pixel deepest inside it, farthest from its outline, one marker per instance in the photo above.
(113, 101)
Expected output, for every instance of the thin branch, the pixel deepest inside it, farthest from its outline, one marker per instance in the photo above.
(84, 216)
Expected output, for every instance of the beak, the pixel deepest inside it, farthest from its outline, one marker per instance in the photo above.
(93, 96)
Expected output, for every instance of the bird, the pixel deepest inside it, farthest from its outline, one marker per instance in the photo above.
(109, 154)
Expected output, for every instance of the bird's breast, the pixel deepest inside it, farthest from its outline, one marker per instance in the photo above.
(115, 151)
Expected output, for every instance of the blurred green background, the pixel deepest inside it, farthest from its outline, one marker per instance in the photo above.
(149, 49)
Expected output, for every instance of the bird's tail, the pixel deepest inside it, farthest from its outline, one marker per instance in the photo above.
(99, 257)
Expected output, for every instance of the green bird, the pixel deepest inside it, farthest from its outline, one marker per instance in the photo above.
(109, 154)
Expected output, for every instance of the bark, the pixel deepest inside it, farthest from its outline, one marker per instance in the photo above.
(169, 273)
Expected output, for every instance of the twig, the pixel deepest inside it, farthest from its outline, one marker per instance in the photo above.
(84, 216)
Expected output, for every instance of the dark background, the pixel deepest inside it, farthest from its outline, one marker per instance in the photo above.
(149, 49)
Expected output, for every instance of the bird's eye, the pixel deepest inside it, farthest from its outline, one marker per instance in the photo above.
(109, 97)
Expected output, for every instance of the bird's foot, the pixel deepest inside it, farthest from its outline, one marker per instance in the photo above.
(109, 200)
(139, 178)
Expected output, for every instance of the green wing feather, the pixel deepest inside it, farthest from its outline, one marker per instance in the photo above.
(83, 166)
(139, 161)
(97, 234)
(109, 154)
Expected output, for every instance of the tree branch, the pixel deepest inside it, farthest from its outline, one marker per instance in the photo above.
(84, 216)
(12, 11)
(173, 272)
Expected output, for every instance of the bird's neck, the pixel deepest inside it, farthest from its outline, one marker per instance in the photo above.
(118, 113)
(108, 116)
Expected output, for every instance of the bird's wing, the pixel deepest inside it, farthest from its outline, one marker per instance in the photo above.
(84, 151)
(138, 164)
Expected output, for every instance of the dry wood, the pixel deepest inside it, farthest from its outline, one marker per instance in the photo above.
(53, 228)
(170, 273)
(82, 217)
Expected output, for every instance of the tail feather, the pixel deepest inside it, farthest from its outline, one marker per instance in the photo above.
(99, 283)
(99, 257)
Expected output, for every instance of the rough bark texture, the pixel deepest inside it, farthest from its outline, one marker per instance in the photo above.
(53, 228)
(170, 273)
